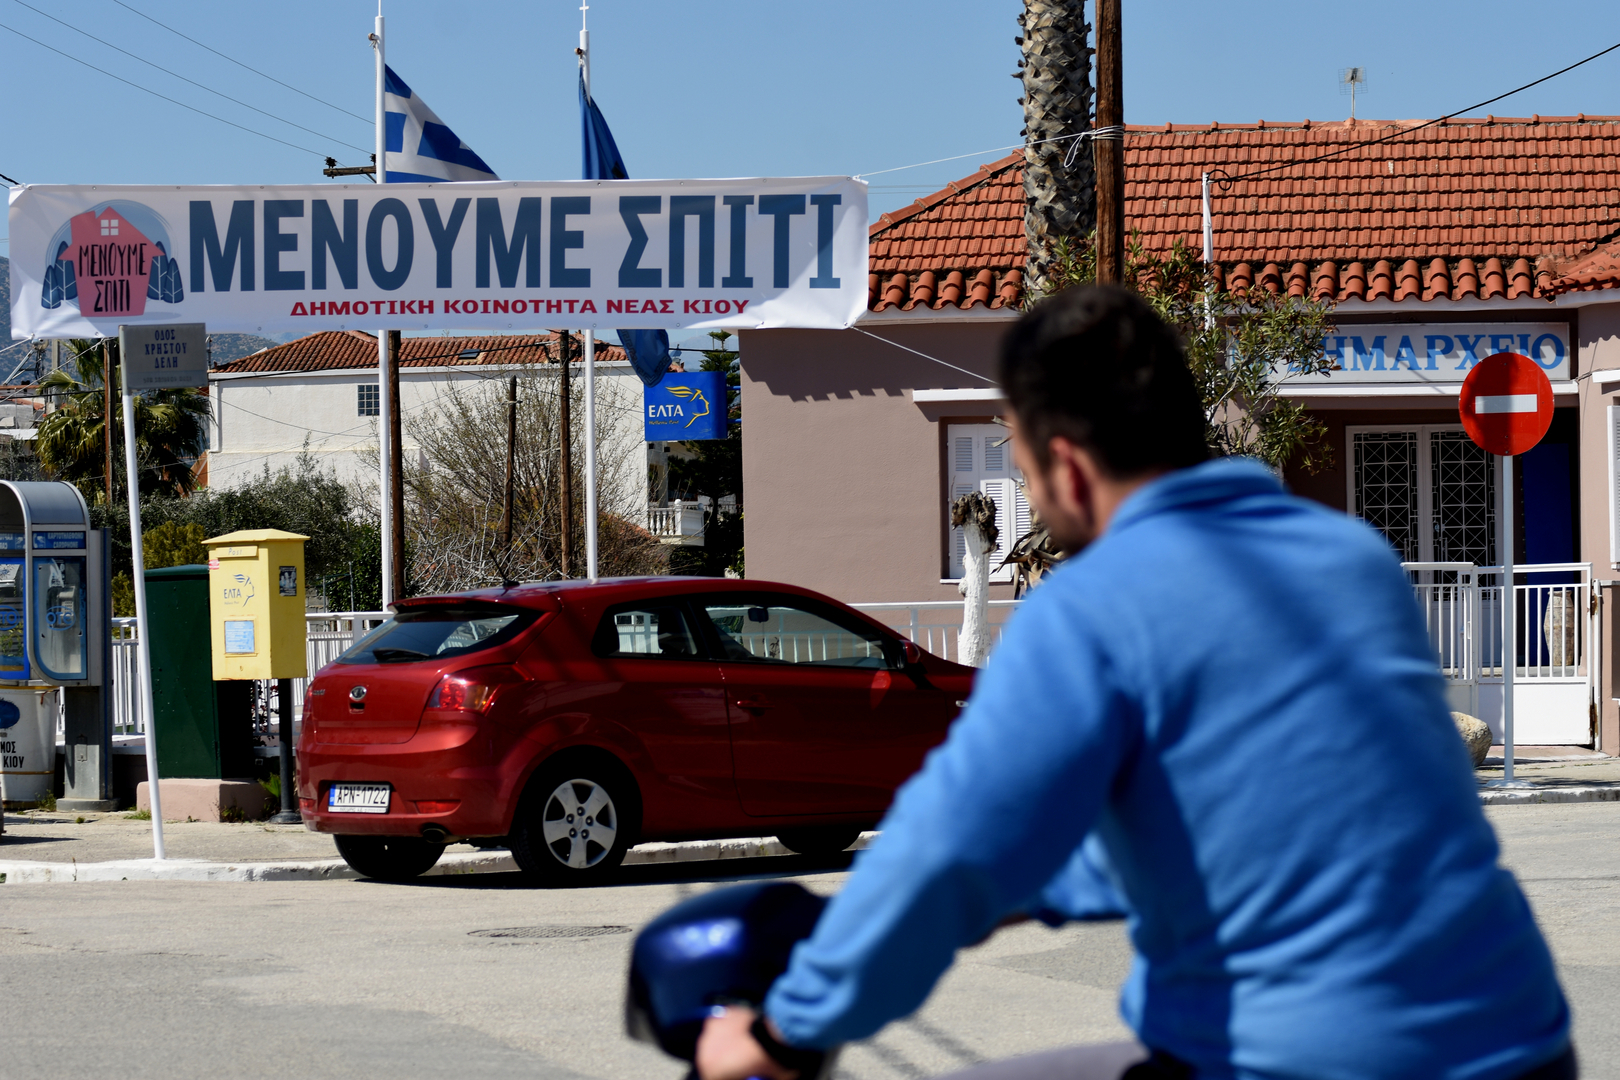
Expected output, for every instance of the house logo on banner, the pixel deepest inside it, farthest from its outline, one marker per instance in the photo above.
(110, 260)
(486, 255)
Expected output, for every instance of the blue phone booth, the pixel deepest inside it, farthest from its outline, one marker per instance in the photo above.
(54, 592)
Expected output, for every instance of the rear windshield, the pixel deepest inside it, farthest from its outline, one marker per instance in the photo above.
(436, 633)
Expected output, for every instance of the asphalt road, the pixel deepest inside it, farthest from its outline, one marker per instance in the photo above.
(354, 978)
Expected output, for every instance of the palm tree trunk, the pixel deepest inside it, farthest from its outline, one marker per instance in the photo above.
(1059, 202)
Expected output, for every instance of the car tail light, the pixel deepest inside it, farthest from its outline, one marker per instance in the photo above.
(306, 806)
(466, 695)
(436, 806)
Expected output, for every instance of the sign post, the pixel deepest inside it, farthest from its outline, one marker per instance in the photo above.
(173, 357)
(1506, 406)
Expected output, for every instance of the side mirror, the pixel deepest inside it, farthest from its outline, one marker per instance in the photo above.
(912, 653)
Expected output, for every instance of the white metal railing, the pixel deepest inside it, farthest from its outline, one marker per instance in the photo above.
(327, 635)
(677, 523)
(1553, 620)
(935, 625)
(1462, 608)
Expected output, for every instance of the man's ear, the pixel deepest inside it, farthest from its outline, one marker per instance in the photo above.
(1072, 473)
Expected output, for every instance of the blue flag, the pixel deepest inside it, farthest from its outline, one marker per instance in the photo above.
(648, 350)
(601, 154)
(420, 146)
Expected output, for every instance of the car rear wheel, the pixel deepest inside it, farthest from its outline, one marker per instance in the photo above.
(820, 839)
(575, 826)
(389, 858)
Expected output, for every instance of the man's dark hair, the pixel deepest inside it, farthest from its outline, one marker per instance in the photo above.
(1095, 365)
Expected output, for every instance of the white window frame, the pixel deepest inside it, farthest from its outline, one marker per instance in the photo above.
(1001, 485)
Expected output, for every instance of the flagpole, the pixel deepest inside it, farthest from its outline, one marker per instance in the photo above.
(384, 404)
(590, 355)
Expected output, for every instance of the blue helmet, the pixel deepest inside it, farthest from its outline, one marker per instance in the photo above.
(725, 947)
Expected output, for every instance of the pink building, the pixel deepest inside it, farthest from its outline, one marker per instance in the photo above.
(1437, 247)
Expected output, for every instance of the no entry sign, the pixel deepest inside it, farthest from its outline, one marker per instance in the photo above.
(1506, 404)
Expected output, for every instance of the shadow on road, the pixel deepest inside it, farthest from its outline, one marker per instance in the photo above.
(771, 866)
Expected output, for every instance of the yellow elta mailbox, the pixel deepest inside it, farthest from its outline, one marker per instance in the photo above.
(256, 604)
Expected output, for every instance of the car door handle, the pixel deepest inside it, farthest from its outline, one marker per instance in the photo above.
(753, 704)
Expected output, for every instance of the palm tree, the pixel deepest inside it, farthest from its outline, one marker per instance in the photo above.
(1059, 202)
(170, 429)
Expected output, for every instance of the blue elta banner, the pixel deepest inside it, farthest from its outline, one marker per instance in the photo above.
(685, 406)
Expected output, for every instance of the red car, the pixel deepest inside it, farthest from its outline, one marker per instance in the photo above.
(569, 721)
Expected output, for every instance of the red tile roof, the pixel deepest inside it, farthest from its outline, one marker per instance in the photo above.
(342, 350)
(1486, 208)
(1598, 270)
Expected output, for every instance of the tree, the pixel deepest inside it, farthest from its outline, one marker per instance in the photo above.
(1241, 347)
(342, 559)
(454, 507)
(170, 544)
(713, 468)
(1059, 186)
(170, 429)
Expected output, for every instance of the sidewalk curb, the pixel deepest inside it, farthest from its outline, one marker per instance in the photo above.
(469, 862)
(1525, 796)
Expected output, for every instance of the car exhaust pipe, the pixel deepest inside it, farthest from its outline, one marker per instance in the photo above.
(435, 834)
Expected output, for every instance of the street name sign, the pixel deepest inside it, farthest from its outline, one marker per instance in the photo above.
(1506, 404)
(164, 357)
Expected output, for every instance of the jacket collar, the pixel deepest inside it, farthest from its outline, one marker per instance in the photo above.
(1217, 481)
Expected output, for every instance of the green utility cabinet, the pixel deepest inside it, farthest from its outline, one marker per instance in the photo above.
(204, 728)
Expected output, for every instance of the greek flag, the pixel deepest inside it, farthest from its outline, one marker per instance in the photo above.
(420, 146)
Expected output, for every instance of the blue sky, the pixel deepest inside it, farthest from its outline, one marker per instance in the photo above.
(731, 87)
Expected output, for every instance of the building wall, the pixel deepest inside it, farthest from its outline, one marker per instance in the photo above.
(270, 421)
(1600, 348)
(1331, 485)
(843, 474)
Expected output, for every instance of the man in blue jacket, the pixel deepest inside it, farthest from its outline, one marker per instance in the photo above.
(1222, 719)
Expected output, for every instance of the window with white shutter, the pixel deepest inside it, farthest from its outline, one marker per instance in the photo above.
(980, 459)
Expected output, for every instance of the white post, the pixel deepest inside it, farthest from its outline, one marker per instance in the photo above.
(590, 354)
(1209, 226)
(1504, 541)
(590, 455)
(143, 643)
(384, 403)
(585, 46)
(1209, 252)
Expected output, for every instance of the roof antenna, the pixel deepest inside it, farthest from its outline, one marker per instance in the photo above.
(1350, 79)
(507, 581)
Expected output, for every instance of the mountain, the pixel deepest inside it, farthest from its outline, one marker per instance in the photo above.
(228, 347)
(5, 302)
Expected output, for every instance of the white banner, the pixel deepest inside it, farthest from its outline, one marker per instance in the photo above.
(495, 256)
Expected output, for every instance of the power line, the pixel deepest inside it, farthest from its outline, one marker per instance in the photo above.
(182, 78)
(1226, 180)
(367, 119)
(165, 97)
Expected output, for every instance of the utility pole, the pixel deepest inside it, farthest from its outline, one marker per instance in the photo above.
(106, 413)
(566, 458)
(1110, 148)
(511, 459)
(396, 473)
